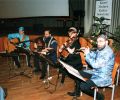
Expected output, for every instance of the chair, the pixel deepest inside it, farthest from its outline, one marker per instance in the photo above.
(114, 72)
(118, 73)
(22, 55)
(23, 59)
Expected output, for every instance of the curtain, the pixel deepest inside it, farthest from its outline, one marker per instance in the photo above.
(115, 19)
(89, 13)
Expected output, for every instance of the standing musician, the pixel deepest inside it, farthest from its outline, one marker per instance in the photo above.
(50, 52)
(22, 47)
(73, 59)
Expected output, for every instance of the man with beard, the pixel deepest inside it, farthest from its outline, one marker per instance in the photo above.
(23, 47)
(102, 62)
(50, 52)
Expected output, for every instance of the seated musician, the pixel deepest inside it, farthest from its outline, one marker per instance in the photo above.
(74, 58)
(49, 52)
(102, 62)
(22, 47)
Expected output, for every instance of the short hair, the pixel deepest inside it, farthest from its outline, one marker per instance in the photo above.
(48, 30)
(21, 28)
(104, 36)
(72, 29)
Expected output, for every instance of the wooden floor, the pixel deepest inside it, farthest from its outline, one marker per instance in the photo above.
(23, 88)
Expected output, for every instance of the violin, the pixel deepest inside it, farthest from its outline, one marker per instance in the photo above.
(67, 44)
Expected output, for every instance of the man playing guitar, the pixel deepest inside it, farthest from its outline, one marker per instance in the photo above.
(48, 55)
(22, 47)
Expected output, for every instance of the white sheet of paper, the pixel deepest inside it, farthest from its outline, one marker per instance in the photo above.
(71, 70)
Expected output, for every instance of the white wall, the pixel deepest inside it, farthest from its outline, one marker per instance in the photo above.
(33, 8)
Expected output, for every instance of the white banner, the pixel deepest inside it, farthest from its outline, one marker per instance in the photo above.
(104, 9)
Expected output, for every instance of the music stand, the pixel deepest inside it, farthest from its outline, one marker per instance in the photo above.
(47, 81)
(72, 70)
(22, 72)
(10, 62)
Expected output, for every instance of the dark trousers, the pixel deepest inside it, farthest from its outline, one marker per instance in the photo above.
(87, 87)
(16, 53)
(47, 60)
(36, 61)
(44, 61)
(73, 60)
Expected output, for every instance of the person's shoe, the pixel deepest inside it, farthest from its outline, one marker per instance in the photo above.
(73, 94)
(30, 66)
(42, 77)
(100, 97)
(36, 70)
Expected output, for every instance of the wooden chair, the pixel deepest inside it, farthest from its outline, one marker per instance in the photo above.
(118, 61)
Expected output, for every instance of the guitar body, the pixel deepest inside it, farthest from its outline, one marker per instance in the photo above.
(10, 45)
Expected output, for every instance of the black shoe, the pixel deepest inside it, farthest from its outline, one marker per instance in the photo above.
(73, 94)
(100, 97)
(30, 66)
(36, 70)
(42, 77)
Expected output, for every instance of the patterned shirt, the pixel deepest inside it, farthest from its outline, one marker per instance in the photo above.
(102, 63)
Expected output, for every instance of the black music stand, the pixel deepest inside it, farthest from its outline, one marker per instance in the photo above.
(11, 65)
(47, 81)
(23, 71)
(9, 61)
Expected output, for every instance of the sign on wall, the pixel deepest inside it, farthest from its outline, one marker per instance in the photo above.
(104, 9)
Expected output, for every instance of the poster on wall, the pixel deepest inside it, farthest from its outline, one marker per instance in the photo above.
(104, 9)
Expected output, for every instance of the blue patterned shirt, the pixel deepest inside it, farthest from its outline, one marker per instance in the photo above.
(102, 63)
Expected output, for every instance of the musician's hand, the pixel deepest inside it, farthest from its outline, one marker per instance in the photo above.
(87, 50)
(12, 42)
(49, 49)
(42, 52)
(71, 51)
(35, 45)
(45, 50)
(61, 48)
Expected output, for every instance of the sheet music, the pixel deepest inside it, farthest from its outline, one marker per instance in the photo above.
(71, 70)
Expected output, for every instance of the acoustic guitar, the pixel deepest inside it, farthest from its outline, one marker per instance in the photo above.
(11, 44)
